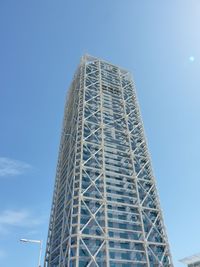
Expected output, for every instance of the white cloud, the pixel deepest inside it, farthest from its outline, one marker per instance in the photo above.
(18, 218)
(10, 167)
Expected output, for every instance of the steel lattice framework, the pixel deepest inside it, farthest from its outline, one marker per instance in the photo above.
(105, 209)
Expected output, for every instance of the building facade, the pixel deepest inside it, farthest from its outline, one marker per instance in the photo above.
(105, 209)
(192, 261)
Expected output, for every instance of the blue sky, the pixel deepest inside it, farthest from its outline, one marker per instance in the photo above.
(41, 45)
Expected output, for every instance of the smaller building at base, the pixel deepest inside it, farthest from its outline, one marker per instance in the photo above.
(192, 261)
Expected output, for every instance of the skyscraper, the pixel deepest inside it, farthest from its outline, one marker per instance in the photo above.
(105, 209)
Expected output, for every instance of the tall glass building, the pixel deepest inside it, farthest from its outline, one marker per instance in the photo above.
(105, 210)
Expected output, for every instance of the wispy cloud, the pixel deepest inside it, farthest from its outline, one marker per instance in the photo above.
(18, 218)
(11, 167)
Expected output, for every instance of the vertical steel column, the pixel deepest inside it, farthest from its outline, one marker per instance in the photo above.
(103, 168)
(83, 75)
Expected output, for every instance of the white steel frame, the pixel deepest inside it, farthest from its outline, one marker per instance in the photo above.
(105, 209)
